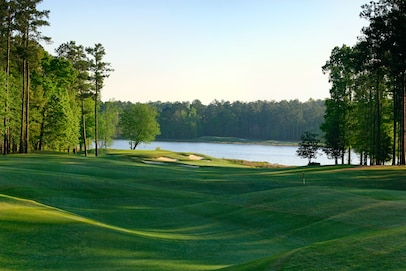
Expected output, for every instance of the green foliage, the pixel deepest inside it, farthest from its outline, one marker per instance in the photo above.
(366, 107)
(333, 132)
(44, 93)
(108, 123)
(57, 125)
(20, 55)
(260, 120)
(2, 93)
(178, 120)
(339, 116)
(138, 124)
(115, 213)
(256, 121)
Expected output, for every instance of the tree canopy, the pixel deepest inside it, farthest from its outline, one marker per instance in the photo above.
(259, 120)
(42, 94)
(138, 124)
(367, 105)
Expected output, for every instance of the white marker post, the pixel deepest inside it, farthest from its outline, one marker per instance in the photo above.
(303, 178)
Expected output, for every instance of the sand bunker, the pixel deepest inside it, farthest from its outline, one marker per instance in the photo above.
(166, 159)
(190, 157)
(195, 157)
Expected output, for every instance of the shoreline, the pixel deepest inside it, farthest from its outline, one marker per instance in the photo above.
(228, 140)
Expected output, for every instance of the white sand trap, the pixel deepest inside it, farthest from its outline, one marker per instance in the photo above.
(166, 159)
(195, 157)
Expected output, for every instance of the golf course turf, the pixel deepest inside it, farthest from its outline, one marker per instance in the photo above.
(129, 210)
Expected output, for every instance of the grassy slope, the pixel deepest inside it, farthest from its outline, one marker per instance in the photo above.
(60, 212)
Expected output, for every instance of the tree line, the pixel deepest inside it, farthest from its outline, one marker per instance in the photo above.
(48, 102)
(366, 108)
(259, 120)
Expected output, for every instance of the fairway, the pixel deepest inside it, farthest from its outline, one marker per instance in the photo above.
(128, 211)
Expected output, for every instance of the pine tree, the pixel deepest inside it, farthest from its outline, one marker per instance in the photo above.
(99, 71)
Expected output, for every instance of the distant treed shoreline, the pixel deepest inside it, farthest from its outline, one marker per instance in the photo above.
(256, 121)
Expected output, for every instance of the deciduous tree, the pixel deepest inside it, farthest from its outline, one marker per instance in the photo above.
(138, 124)
(77, 55)
(338, 120)
(52, 112)
(108, 123)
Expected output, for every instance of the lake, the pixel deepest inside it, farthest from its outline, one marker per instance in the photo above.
(282, 155)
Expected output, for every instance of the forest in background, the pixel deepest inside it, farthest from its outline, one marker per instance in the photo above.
(259, 120)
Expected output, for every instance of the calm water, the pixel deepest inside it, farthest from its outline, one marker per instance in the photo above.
(283, 155)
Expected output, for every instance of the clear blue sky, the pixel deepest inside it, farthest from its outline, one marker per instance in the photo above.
(181, 50)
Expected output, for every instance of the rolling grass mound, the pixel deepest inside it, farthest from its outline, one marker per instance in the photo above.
(116, 212)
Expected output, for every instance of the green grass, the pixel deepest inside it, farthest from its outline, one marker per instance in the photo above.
(116, 212)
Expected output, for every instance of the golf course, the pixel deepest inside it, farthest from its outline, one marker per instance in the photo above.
(165, 211)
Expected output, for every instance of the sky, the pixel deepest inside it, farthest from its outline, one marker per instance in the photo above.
(231, 50)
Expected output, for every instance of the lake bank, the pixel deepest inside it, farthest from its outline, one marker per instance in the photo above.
(232, 140)
(273, 154)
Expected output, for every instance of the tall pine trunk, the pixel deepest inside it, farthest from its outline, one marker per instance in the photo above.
(25, 97)
(84, 126)
(395, 117)
(402, 123)
(96, 126)
(41, 135)
(23, 94)
(27, 109)
(379, 158)
(6, 142)
(372, 154)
